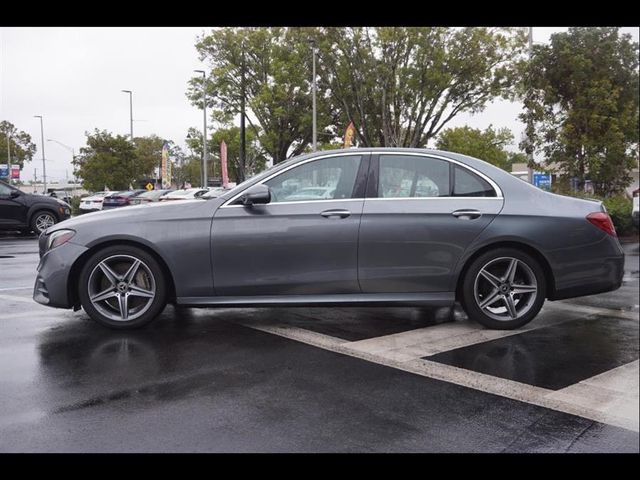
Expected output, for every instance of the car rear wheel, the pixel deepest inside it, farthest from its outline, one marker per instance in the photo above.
(122, 287)
(42, 220)
(503, 289)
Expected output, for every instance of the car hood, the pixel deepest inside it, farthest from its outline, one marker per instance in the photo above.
(153, 211)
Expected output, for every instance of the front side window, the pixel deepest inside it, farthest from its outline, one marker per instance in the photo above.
(325, 179)
(4, 190)
(406, 176)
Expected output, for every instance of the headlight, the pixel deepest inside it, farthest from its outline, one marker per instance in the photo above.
(59, 237)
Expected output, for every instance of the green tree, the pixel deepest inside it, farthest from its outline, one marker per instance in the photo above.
(148, 153)
(401, 85)
(581, 106)
(277, 66)
(488, 145)
(21, 147)
(109, 161)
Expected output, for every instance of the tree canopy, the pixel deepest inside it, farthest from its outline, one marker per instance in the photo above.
(400, 86)
(581, 105)
(488, 145)
(22, 149)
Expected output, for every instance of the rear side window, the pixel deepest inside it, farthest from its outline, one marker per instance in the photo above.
(467, 184)
(406, 176)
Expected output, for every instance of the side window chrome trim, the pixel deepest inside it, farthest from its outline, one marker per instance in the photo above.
(297, 164)
(493, 184)
(295, 202)
(434, 198)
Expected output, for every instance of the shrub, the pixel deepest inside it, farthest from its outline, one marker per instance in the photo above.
(75, 205)
(619, 208)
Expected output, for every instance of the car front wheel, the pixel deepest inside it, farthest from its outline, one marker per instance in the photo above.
(122, 287)
(503, 289)
(42, 220)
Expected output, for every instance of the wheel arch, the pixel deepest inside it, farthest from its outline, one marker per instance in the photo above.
(76, 268)
(524, 247)
(39, 207)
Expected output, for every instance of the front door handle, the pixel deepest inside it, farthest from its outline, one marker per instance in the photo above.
(337, 213)
(467, 214)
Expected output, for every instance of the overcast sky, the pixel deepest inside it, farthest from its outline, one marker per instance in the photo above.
(73, 77)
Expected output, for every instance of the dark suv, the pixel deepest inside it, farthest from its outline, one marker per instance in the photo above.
(29, 212)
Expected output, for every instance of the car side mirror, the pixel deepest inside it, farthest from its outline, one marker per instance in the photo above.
(14, 194)
(256, 195)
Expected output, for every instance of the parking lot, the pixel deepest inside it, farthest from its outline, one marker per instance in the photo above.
(317, 379)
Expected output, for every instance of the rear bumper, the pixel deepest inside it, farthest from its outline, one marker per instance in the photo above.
(52, 281)
(603, 276)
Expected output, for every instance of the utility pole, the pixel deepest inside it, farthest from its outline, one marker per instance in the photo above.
(315, 131)
(44, 167)
(204, 129)
(130, 112)
(9, 155)
(530, 121)
(243, 145)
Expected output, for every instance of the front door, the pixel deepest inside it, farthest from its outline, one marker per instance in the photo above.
(305, 241)
(12, 209)
(420, 215)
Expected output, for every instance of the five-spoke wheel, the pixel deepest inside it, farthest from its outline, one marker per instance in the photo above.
(122, 287)
(41, 221)
(504, 289)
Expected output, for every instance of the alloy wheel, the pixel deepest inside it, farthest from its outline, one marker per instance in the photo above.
(121, 287)
(505, 289)
(44, 221)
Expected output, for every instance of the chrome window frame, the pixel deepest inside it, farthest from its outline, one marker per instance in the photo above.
(494, 185)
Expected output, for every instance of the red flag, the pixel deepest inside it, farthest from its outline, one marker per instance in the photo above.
(223, 161)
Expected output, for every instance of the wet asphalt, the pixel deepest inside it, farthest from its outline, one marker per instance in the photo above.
(201, 381)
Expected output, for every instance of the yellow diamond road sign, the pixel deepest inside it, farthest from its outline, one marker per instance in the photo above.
(149, 186)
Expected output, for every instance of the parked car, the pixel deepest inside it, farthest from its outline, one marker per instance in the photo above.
(150, 196)
(472, 237)
(120, 199)
(186, 194)
(63, 195)
(636, 206)
(26, 212)
(93, 203)
(214, 192)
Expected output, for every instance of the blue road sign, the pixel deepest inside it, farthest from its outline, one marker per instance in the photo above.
(542, 180)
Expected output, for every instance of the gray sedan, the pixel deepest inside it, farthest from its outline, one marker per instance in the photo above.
(402, 227)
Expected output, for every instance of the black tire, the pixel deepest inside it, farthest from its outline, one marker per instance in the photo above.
(39, 217)
(154, 306)
(531, 303)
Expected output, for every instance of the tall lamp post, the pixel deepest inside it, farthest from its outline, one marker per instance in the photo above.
(73, 158)
(243, 144)
(530, 159)
(44, 167)
(204, 128)
(130, 112)
(313, 83)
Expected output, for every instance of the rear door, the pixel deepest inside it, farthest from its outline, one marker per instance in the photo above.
(420, 215)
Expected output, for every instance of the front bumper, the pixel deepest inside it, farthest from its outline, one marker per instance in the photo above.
(52, 281)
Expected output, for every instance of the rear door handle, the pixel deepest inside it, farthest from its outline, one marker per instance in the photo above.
(467, 214)
(337, 213)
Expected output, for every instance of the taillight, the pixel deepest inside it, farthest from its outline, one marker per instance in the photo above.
(603, 221)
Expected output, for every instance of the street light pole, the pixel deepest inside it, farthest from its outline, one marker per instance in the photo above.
(204, 131)
(243, 145)
(530, 159)
(130, 112)
(315, 132)
(44, 167)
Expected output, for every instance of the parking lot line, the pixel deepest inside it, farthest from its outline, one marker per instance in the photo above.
(30, 287)
(478, 381)
(428, 341)
(610, 312)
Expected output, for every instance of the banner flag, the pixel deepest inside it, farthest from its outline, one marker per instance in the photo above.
(223, 161)
(15, 172)
(166, 168)
(348, 135)
(4, 170)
